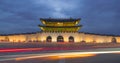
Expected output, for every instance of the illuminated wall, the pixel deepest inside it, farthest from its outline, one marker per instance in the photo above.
(41, 37)
(2, 38)
(118, 39)
(92, 38)
(88, 38)
(17, 38)
(65, 35)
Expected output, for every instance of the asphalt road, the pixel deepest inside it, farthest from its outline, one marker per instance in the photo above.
(103, 55)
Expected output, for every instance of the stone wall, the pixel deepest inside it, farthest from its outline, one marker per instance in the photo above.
(41, 37)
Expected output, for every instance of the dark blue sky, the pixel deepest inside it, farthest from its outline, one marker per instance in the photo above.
(98, 16)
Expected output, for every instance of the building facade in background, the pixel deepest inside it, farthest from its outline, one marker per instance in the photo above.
(60, 30)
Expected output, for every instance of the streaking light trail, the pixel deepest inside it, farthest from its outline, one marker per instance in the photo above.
(60, 55)
(68, 54)
(19, 49)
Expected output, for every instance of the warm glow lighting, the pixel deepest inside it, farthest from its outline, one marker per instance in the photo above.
(42, 28)
(77, 55)
(76, 22)
(60, 24)
(43, 22)
(71, 56)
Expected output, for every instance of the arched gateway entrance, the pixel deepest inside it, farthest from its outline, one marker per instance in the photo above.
(71, 39)
(49, 39)
(60, 39)
(114, 40)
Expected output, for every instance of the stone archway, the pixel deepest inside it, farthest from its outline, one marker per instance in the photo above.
(60, 39)
(49, 39)
(114, 40)
(71, 39)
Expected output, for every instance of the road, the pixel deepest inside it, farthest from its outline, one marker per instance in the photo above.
(68, 56)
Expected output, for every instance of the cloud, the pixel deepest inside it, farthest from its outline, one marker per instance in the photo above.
(98, 16)
(58, 6)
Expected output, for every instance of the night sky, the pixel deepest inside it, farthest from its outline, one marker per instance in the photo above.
(98, 16)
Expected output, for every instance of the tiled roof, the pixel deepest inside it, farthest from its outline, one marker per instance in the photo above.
(60, 19)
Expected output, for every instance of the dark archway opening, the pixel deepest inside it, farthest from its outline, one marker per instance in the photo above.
(71, 39)
(60, 39)
(49, 39)
(114, 40)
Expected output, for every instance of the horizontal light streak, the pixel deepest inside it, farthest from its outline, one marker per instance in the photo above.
(66, 55)
(19, 49)
(5, 50)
